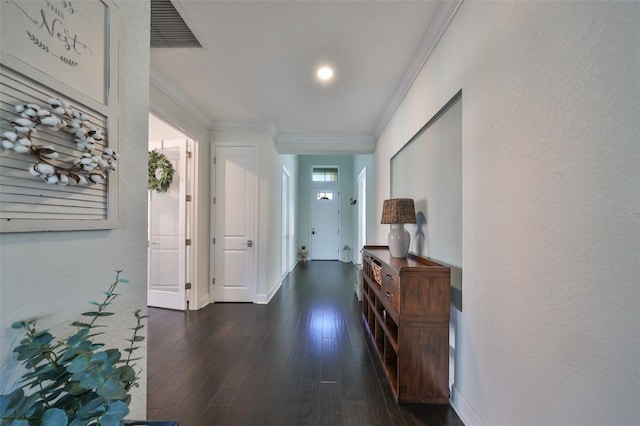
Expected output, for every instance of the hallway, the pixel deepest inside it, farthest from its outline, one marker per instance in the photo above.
(300, 360)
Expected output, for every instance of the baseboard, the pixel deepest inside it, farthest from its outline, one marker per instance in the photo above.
(464, 410)
(204, 301)
(263, 299)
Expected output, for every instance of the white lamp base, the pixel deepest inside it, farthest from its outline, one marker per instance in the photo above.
(399, 240)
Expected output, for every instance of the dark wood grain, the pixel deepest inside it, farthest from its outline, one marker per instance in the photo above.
(300, 360)
(407, 318)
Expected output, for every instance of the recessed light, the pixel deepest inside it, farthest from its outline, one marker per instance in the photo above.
(325, 73)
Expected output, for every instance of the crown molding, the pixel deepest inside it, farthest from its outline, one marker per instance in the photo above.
(156, 79)
(438, 25)
(246, 125)
(325, 144)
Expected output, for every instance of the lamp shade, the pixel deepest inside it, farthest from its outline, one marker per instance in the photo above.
(398, 210)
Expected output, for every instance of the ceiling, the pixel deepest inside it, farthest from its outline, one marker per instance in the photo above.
(256, 68)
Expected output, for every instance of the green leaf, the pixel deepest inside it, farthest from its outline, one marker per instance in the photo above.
(127, 374)
(9, 402)
(18, 324)
(96, 346)
(54, 417)
(112, 389)
(123, 280)
(16, 405)
(43, 338)
(55, 394)
(74, 388)
(18, 423)
(92, 408)
(97, 314)
(116, 411)
(78, 365)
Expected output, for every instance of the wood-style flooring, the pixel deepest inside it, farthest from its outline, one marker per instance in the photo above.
(302, 359)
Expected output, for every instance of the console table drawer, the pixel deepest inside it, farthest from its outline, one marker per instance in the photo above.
(391, 290)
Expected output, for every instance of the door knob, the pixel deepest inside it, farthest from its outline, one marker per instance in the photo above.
(249, 243)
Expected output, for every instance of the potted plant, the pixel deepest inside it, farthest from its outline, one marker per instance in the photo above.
(74, 381)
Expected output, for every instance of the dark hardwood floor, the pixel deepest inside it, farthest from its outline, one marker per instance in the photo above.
(303, 359)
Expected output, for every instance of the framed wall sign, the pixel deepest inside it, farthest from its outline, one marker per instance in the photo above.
(66, 50)
(67, 38)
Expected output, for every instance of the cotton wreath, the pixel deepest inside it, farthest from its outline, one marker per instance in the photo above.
(88, 168)
(160, 172)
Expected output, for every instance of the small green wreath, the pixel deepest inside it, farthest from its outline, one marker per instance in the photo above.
(160, 172)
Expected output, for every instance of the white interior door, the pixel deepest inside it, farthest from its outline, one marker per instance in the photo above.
(235, 225)
(325, 223)
(167, 232)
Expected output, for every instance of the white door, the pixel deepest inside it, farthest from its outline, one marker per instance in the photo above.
(235, 224)
(167, 232)
(362, 212)
(325, 223)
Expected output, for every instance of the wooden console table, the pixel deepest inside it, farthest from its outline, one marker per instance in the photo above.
(405, 309)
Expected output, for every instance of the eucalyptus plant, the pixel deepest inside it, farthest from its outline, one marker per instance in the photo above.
(75, 381)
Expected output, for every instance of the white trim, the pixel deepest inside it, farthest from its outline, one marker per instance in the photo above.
(246, 125)
(322, 183)
(174, 94)
(196, 301)
(263, 299)
(325, 144)
(362, 177)
(464, 410)
(438, 25)
(256, 213)
(315, 186)
(285, 249)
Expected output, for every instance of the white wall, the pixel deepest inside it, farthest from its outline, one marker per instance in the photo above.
(269, 272)
(551, 226)
(171, 111)
(54, 275)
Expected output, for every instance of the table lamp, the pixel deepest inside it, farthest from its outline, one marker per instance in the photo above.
(397, 212)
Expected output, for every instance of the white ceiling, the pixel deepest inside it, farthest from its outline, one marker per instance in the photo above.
(258, 61)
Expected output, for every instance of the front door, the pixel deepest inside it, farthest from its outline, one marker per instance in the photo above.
(325, 223)
(235, 224)
(167, 232)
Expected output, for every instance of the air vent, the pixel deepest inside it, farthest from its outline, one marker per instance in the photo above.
(168, 29)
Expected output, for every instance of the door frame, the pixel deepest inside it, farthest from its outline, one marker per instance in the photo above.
(193, 295)
(333, 187)
(213, 231)
(361, 238)
(184, 145)
(285, 252)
